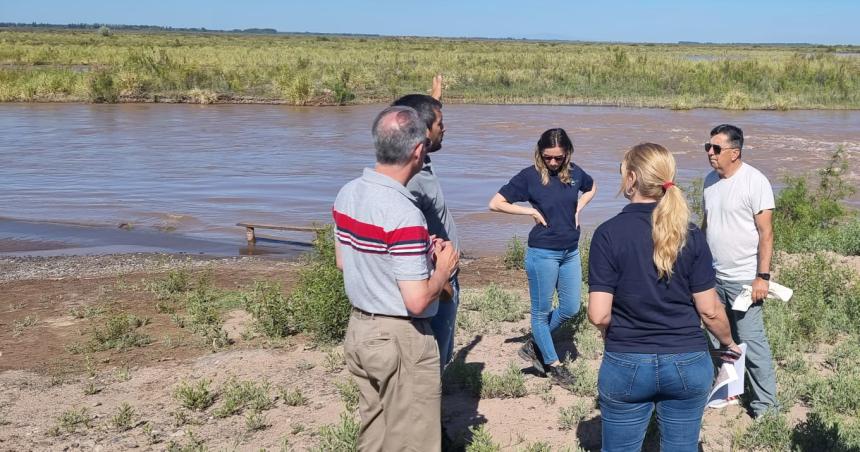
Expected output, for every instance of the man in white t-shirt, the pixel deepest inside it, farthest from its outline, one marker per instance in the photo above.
(738, 207)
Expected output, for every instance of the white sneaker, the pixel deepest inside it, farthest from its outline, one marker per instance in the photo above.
(733, 400)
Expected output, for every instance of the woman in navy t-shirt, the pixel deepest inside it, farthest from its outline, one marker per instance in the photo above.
(651, 282)
(552, 186)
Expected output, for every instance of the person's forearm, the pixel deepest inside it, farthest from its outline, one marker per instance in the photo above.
(506, 207)
(585, 199)
(718, 325)
(765, 250)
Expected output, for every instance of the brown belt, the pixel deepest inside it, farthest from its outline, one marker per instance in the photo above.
(384, 316)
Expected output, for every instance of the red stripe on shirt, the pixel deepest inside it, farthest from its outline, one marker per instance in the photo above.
(371, 233)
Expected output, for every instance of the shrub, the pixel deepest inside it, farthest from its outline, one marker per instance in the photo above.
(72, 419)
(293, 397)
(195, 396)
(270, 309)
(240, 395)
(515, 254)
(482, 441)
(319, 303)
(770, 432)
(124, 417)
(510, 384)
(101, 88)
(342, 437)
(571, 416)
(118, 333)
(348, 391)
(463, 375)
(584, 378)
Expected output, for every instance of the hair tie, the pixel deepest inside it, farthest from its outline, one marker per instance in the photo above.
(667, 184)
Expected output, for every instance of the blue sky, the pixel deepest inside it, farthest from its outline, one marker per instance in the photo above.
(822, 21)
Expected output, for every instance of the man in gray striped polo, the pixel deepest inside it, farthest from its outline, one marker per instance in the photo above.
(387, 257)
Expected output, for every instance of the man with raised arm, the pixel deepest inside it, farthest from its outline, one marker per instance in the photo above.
(393, 274)
(429, 198)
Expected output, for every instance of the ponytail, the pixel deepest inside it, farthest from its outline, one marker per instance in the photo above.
(654, 167)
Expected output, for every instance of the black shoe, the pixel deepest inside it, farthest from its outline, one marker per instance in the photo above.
(561, 375)
(530, 353)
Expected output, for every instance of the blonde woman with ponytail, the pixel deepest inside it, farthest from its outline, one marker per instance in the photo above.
(651, 286)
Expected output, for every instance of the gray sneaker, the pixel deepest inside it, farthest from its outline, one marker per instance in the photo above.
(529, 353)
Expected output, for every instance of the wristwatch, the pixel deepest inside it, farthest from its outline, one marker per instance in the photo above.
(764, 276)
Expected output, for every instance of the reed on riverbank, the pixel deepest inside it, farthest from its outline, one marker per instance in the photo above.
(89, 66)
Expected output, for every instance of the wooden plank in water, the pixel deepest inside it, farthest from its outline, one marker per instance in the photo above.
(251, 237)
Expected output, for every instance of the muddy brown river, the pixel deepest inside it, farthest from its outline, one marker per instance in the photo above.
(179, 177)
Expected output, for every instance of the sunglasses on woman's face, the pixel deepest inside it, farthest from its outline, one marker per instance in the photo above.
(716, 147)
(550, 158)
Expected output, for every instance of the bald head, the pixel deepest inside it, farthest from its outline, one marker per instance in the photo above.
(396, 132)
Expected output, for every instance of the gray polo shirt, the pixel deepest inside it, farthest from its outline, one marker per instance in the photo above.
(429, 198)
(382, 238)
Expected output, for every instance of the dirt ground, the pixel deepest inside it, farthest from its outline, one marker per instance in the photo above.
(40, 378)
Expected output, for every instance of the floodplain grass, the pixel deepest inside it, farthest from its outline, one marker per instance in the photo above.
(483, 311)
(482, 441)
(238, 396)
(124, 418)
(195, 396)
(509, 384)
(515, 254)
(340, 437)
(55, 65)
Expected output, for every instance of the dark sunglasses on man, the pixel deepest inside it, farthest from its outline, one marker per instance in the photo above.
(716, 147)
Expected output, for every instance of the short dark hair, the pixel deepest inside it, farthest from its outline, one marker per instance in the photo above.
(396, 132)
(425, 105)
(733, 133)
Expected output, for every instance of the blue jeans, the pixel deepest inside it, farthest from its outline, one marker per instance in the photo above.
(748, 327)
(444, 323)
(631, 384)
(549, 270)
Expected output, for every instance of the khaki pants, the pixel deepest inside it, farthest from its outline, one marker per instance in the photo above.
(396, 365)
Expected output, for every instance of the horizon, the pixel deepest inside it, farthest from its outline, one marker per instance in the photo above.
(828, 22)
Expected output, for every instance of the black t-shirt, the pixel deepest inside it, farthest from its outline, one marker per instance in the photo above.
(649, 315)
(555, 201)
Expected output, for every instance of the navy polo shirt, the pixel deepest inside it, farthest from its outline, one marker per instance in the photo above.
(649, 315)
(555, 201)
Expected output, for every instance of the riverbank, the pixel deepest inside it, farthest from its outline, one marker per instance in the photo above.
(87, 66)
(103, 359)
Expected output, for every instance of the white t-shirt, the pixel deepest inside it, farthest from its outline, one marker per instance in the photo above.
(730, 208)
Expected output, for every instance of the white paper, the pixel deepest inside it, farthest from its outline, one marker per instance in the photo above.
(776, 291)
(730, 379)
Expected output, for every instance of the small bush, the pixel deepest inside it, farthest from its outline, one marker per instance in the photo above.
(349, 393)
(293, 397)
(195, 396)
(342, 437)
(584, 378)
(462, 375)
(319, 303)
(118, 333)
(482, 441)
(176, 283)
(571, 416)
(73, 419)
(482, 311)
(271, 312)
(240, 395)
(124, 418)
(101, 88)
(510, 384)
(256, 420)
(515, 254)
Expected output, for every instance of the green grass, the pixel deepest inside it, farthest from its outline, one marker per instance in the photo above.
(341, 437)
(119, 332)
(54, 65)
(482, 311)
(509, 384)
(482, 441)
(238, 396)
(271, 312)
(293, 397)
(73, 419)
(569, 417)
(515, 254)
(349, 394)
(124, 418)
(318, 301)
(195, 396)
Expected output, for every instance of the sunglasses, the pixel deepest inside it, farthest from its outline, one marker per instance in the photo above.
(716, 147)
(550, 158)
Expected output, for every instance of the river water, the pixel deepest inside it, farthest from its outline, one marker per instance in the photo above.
(181, 176)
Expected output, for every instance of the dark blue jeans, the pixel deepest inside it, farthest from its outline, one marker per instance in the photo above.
(548, 271)
(444, 324)
(632, 384)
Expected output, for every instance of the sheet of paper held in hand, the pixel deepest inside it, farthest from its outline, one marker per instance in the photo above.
(730, 379)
